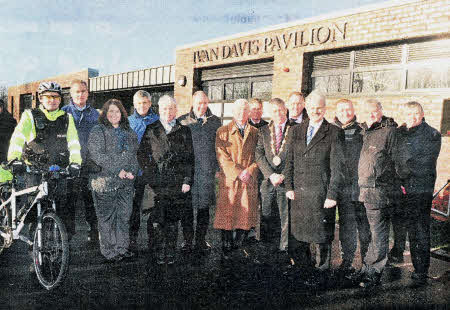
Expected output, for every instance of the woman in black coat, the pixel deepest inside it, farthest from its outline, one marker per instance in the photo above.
(167, 159)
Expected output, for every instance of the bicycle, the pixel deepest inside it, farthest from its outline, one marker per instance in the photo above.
(50, 242)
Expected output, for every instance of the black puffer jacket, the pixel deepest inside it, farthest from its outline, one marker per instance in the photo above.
(424, 144)
(353, 145)
(167, 159)
(382, 164)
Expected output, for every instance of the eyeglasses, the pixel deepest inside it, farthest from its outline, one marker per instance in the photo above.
(51, 96)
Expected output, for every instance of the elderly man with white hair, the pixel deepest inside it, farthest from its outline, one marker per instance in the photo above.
(167, 158)
(237, 205)
(314, 179)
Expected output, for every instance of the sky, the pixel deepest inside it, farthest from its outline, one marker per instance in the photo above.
(40, 39)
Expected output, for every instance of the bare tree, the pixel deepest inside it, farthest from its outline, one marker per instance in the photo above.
(4, 93)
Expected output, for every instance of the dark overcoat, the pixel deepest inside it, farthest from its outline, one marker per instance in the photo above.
(315, 173)
(204, 141)
(167, 161)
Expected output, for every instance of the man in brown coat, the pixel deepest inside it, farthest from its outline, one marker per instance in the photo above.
(237, 205)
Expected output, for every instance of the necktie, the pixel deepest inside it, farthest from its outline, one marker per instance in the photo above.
(279, 137)
(241, 131)
(200, 120)
(310, 134)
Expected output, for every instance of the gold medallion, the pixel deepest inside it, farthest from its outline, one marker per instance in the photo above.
(276, 160)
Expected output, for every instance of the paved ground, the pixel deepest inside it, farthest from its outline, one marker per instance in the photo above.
(208, 284)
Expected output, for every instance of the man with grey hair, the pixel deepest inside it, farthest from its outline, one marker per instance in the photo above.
(271, 152)
(382, 170)
(142, 117)
(314, 179)
(167, 158)
(203, 125)
(237, 205)
(424, 144)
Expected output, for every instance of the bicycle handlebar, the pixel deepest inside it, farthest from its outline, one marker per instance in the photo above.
(53, 171)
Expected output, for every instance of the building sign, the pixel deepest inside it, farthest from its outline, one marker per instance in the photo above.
(293, 39)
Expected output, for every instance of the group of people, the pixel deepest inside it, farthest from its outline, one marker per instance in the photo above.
(298, 162)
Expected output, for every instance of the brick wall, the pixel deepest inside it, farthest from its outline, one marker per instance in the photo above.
(31, 88)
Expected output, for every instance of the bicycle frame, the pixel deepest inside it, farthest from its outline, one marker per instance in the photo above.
(17, 224)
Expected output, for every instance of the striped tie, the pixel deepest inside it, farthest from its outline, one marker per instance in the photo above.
(310, 134)
(279, 138)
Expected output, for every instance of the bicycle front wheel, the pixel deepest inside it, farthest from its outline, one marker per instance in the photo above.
(51, 251)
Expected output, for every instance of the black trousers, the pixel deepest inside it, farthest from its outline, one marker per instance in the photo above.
(398, 221)
(418, 208)
(353, 225)
(135, 219)
(79, 189)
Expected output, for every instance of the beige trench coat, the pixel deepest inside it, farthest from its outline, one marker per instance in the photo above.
(237, 203)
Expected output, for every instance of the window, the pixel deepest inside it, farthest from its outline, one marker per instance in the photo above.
(388, 69)
(26, 102)
(224, 85)
(377, 81)
(65, 97)
(445, 125)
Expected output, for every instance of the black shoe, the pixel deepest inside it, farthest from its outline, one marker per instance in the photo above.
(186, 247)
(93, 236)
(395, 259)
(160, 259)
(418, 280)
(202, 246)
(170, 259)
(370, 282)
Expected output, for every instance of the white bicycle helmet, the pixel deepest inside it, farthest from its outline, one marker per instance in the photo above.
(49, 86)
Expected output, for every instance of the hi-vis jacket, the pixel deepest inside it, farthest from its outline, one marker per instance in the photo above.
(25, 132)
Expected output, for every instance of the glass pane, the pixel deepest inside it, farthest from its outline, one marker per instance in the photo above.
(205, 88)
(216, 92)
(216, 108)
(377, 81)
(262, 89)
(331, 84)
(228, 91)
(65, 97)
(228, 110)
(240, 90)
(435, 77)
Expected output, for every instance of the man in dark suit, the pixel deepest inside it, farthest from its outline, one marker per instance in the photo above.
(314, 178)
(271, 152)
(296, 106)
(255, 119)
(256, 112)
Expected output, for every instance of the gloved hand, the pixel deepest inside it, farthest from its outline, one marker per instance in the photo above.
(54, 168)
(74, 170)
(18, 167)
